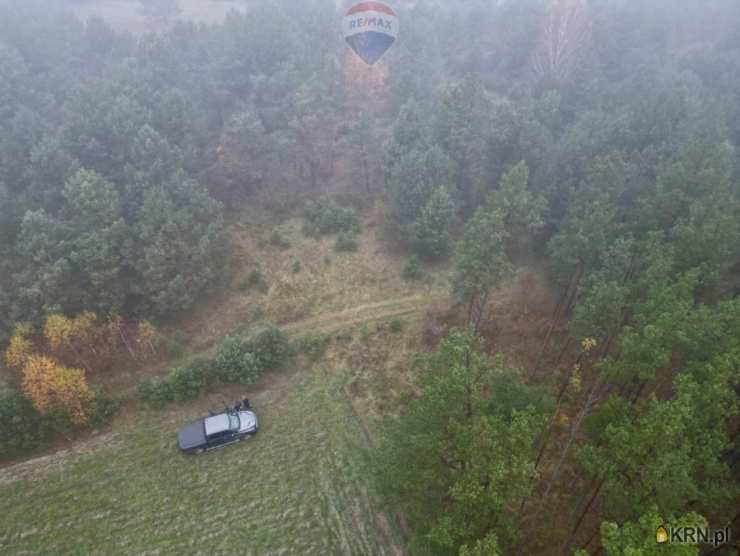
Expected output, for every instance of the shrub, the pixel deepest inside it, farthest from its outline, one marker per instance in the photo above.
(313, 346)
(235, 362)
(395, 326)
(243, 285)
(326, 217)
(278, 239)
(106, 407)
(155, 392)
(412, 270)
(23, 429)
(295, 266)
(189, 382)
(346, 242)
(270, 347)
(257, 280)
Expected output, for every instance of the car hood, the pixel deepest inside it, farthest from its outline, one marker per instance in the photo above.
(192, 436)
(248, 420)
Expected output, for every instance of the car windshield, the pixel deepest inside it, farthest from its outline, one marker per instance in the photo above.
(234, 422)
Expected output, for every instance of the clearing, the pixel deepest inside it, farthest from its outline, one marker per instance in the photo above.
(300, 486)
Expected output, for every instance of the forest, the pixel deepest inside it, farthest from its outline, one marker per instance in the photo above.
(590, 143)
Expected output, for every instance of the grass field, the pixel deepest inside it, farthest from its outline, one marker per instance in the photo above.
(298, 487)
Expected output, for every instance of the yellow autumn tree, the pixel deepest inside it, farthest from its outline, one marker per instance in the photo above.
(20, 347)
(61, 331)
(52, 387)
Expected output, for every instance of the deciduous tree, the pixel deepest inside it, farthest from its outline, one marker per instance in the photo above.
(52, 387)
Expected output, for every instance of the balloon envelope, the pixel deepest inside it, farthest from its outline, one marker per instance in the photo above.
(370, 29)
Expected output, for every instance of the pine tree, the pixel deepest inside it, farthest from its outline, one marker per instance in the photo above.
(183, 251)
(455, 467)
(522, 211)
(412, 180)
(480, 262)
(459, 129)
(671, 454)
(638, 538)
(433, 225)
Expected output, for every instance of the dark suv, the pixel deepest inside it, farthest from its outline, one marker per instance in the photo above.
(217, 431)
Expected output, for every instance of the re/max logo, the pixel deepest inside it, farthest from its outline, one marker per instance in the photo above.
(693, 535)
(371, 22)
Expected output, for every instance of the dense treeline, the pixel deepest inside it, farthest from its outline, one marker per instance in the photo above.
(616, 161)
(141, 125)
(117, 152)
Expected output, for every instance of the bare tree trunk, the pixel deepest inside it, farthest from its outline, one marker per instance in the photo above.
(365, 170)
(588, 405)
(119, 328)
(562, 352)
(590, 401)
(561, 309)
(480, 311)
(583, 515)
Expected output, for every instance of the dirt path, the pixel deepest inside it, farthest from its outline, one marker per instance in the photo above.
(362, 314)
(328, 323)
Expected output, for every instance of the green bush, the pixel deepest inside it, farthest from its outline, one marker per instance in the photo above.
(155, 392)
(23, 429)
(295, 266)
(313, 346)
(278, 239)
(412, 270)
(189, 382)
(257, 280)
(346, 242)
(106, 407)
(326, 217)
(395, 326)
(235, 362)
(270, 347)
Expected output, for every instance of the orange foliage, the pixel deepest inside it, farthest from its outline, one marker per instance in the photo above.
(52, 387)
(61, 331)
(20, 347)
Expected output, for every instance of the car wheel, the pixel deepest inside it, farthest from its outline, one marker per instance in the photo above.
(199, 451)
